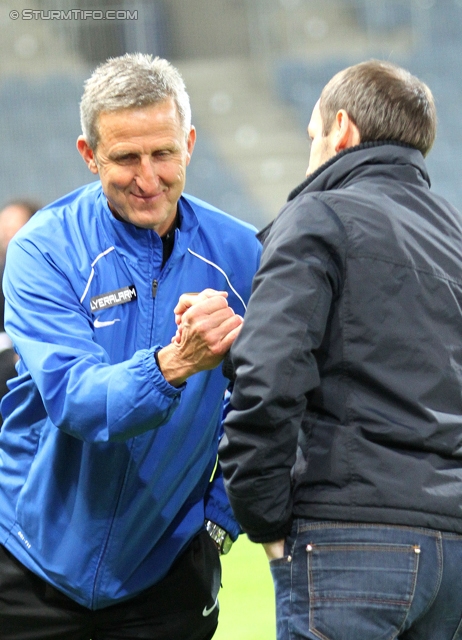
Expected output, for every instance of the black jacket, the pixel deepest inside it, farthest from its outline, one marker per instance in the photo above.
(352, 348)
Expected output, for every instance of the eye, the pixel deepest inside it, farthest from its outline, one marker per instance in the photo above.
(126, 158)
(161, 153)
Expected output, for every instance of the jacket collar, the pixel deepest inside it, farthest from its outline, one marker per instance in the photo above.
(333, 173)
(371, 157)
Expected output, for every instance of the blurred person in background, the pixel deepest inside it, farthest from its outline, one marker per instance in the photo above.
(112, 510)
(13, 216)
(342, 452)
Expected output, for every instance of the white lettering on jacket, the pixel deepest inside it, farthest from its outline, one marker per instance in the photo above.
(113, 298)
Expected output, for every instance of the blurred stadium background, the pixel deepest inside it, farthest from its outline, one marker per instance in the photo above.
(254, 69)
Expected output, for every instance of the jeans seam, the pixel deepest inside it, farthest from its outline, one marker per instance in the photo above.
(439, 553)
(313, 630)
(411, 599)
(292, 583)
(339, 524)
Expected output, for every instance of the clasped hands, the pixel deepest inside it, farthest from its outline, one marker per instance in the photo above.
(206, 329)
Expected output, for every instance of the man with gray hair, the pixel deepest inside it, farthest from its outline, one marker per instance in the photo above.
(342, 452)
(121, 300)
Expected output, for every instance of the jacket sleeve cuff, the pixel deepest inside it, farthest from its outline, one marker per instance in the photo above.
(223, 520)
(157, 377)
(273, 536)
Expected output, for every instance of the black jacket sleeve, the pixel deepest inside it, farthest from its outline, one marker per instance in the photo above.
(300, 275)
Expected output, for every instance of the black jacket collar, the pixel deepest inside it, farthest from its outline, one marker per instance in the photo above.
(341, 168)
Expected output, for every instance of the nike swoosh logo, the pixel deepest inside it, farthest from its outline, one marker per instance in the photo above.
(206, 612)
(98, 324)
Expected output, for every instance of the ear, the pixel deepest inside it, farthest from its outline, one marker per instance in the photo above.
(347, 133)
(87, 154)
(191, 141)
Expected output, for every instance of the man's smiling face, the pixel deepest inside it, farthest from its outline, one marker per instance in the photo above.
(141, 158)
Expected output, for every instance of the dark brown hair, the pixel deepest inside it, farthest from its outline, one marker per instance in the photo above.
(384, 101)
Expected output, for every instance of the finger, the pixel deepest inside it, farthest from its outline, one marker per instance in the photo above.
(177, 337)
(204, 323)
(187, 300)
(230, 337)
(218, 339)
(209, 293)
(208, 307)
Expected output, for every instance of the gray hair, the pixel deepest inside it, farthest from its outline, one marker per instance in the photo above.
(127, 82)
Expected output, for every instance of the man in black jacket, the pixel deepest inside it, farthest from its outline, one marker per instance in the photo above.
(343, 451)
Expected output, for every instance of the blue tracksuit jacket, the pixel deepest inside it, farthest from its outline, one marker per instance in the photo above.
(104, 467)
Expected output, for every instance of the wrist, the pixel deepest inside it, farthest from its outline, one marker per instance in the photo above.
(274, 550)
(171, 366)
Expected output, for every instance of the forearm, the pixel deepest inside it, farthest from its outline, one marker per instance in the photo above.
(95, 401)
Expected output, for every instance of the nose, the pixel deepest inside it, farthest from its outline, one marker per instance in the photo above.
(147, 179)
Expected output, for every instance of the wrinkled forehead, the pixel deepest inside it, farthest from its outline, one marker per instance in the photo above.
(151, 107)
(131, 119)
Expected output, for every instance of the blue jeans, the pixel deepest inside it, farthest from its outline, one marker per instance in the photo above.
(342, 581)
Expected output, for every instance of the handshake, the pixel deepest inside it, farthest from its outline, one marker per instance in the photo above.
(206, 329)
